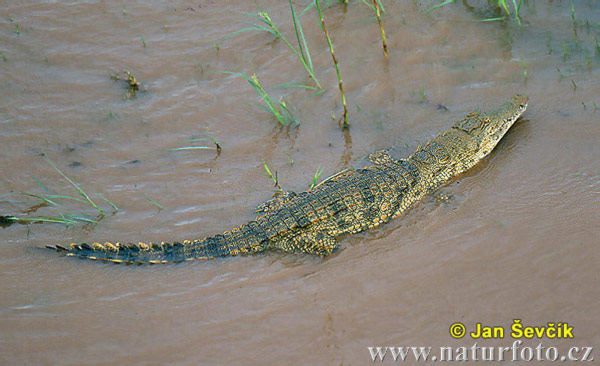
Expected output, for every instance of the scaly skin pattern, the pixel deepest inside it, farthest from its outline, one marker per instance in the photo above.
(346, 203)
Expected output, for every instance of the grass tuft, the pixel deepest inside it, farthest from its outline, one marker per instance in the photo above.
(75, 186)
(273, 177)
(278, 108)
(52, 199)
(266, 24)
(316, 178)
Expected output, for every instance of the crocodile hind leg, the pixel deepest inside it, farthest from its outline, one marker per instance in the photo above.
(318, 243)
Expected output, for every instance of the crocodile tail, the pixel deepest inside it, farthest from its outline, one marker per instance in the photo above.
(224, 245)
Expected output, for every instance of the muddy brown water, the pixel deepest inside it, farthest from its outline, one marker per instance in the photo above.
(518, 237)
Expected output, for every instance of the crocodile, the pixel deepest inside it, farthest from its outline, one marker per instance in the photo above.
(350, 201)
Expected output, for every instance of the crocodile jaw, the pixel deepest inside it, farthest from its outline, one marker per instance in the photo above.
(498, 122)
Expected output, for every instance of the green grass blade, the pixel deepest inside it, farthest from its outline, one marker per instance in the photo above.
(489, 19)
(300, 36)
(292, 85)
(502, 3)
(373, 7)
(160, 207)
(373, 19)
(316, 178)
(303, 55)
(440, 5)
(255, 28)
(193, 148)
(289, 115)
(114, 207)
(262, 16)
(81, 218)
(75, 185)
(60, 196)
(268, 100)
(45, 219)
(312, 3)
(43, 199)
(269, 174)
(317, 93)
(269, 103)
(215, 141)
(261, 107)
(381, 6)
(517, 8)
(367, 4)
(37, 181)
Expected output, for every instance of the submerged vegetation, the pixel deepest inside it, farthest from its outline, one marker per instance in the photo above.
(213, 139)
(501, 6)
(133, 86)
(278, 108)
(56, 200)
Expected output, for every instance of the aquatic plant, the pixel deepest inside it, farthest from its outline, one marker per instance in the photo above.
(273, 177)
(278, 108)
(500, 4)
(133, 86)
(376, 5)
(214, 140)
(53, 199)
(316, 178)
(160, 207)
(267, 25)
(337, 67)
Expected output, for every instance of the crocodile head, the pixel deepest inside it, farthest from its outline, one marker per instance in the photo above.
(486, 129)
